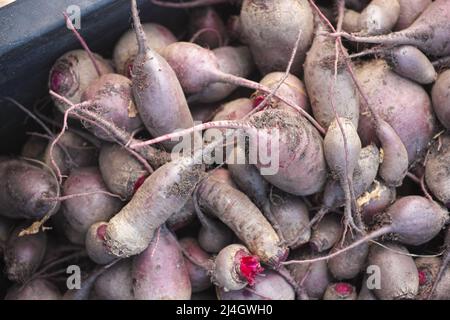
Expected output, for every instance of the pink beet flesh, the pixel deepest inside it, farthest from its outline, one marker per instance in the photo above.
(250, 268)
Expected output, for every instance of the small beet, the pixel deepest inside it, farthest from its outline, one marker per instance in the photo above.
(234, 268)
(27, 190)
(24, 254)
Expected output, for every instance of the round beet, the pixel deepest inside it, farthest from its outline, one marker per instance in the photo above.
(235, 267)
(72, 73)
(416, 220)
(327, 232)
(112, 99)
(122, 173)
(292, 217)
(234, 110)
(398, 272)
(350, 263)
(27, 190)
(160, 271)
(81, 212)
(271, 27)
(379, 17)
(232, 60)
(24, 254)
(409, 11)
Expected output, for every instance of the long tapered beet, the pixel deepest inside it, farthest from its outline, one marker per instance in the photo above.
(253, 229)
(157, 92)
(166, 191)
(430, 32)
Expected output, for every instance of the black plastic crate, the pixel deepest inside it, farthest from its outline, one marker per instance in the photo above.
(33, 34)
